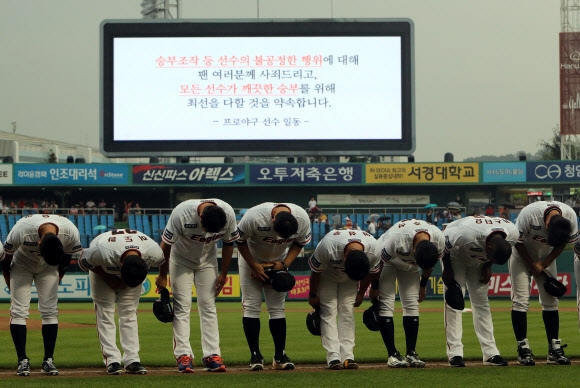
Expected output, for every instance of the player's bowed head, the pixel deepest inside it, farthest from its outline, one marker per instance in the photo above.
(213, 218)
(51, 248)
(426, 254)
(356, 263)
(559, 229)
(133, 269)
(498, 249)
(285, 224)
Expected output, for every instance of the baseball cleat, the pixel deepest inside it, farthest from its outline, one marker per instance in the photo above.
(135, 368)
(496, 360)
(282, 363)
(414, 361)
(185, 364)
(114, 368)
(213, 363)
(335, 365)
(457, 361)
(556, 353)
(23, 367)
(349, 364)
(257, 363)
(396, 361)
(525, 356)
(48, 367)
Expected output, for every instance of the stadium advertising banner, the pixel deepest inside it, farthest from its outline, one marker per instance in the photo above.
(423, 173)
(504, 172)
(67, 174)
(554, 172)
(569, 83)
(5, 174)
(270, 174)
(203, 174)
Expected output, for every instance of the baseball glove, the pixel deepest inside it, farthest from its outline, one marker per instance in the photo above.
(553, 286)
(371, 316)
(162, 307)
(313, 322)
(454, 296)
(282, 281)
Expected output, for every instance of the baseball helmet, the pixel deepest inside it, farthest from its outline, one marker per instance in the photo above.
(282, 281)
(313, 322)
(162, 308)
(454, 296)
(371, 316)
(553, 286)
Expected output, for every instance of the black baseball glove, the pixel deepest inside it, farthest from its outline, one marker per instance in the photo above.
(454, 296)
(162, 307)
(371, 316)
(313, 322)
(553, 286)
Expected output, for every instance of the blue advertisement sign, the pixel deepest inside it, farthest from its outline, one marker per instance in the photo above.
(504, 172)
(203, 174)
(306, 173)
(554, 171)
(71, 174)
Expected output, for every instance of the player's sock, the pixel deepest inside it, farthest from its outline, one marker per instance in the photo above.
(552, 324)
(278, 330)
(520, 324)
(49, 334)
(411, 326)
(19, 337)
(252, 331)
(387, 329)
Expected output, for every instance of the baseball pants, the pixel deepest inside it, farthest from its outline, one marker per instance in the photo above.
(408, 282)
(252, 295)
(520, 277)
(46, 282)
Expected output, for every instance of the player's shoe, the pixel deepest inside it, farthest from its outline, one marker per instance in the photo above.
(457, 362)
(257, 362)
(349, 364)
(114, 368)
(48, 367)
(185, 364)
(414, 360)
(556, 353)
(23, 367)
(525, 356)
(213, 363)
(335, 365)
(135, 368)
(396, 361)
(282, 362)
(496, 360)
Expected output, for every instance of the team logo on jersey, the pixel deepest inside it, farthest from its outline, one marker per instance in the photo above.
(167, 234)
(384, 255)
(263, 228)
(540, 239)
(403, 253)
(536, 227)
(30, 244)
(314, 262)
(190, 226)
(278, 241)
(336, 261)
(131, 247)
(476, 249)
(206, 240)
(354, 240)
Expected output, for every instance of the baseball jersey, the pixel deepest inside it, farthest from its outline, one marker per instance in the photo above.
(256, 228)
(328, 257)
(23, 240)
(189, 240)
(107, 248)
(397, 243)
(531, 224)
(467, 237)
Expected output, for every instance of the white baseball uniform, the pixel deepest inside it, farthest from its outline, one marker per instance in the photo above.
(193, 260)
(28, 266)
(337, 292)
(465, 240)
(399, 266)
(105, 251)
(533, 234)
(577, 276)
(256, 229)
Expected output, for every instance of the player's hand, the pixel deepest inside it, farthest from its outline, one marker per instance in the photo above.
(7, 278)
(314, 301)
(374, 294)
(220, 282)
(422, 293)
(447, 276)
(161, 281)
(536, 269)
(485, 275)
(359, 299)
(258, 272)
(278, 266)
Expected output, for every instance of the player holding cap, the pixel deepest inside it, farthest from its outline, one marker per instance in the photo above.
(38, 249)
(342, 267)
(472, 245)
(118, 261)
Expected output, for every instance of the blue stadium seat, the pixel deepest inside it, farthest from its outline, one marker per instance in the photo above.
(139, 223)
(155, 231)
(3, 227)
(132, 223)
(88, 225)
(147, 226)
(72, 218)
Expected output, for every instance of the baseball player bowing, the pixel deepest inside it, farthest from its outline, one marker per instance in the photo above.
(544, 230)
(472, 245)
(271, 236)
(189, 246)
(118, 261)
(38, 249)
(342, 266)
(407, 248)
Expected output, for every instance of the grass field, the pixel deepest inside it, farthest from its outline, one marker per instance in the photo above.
(78, 347)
